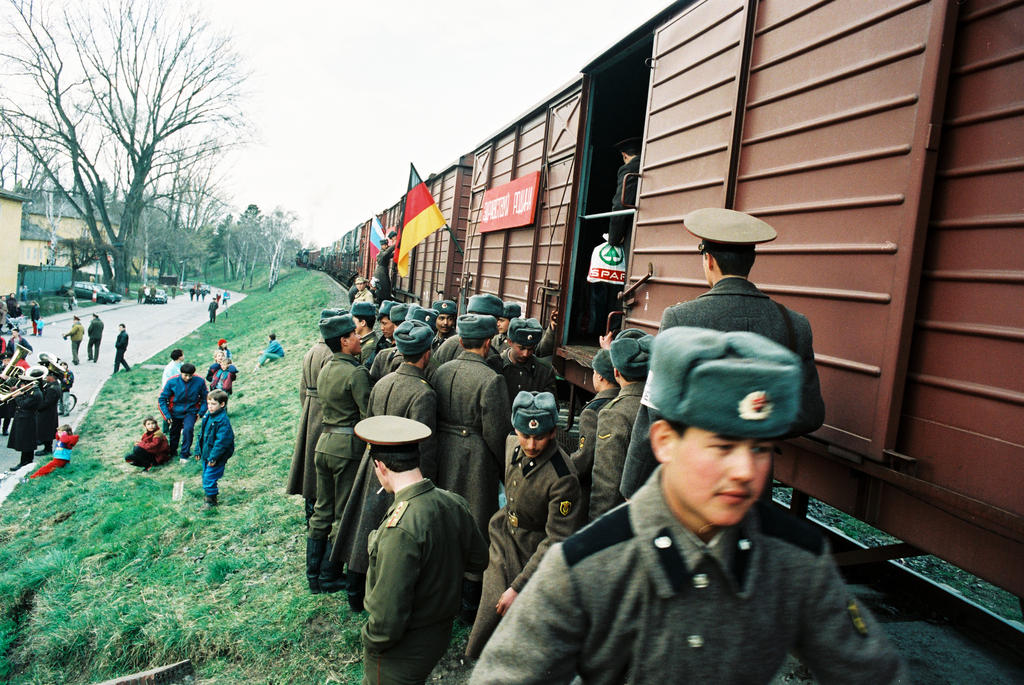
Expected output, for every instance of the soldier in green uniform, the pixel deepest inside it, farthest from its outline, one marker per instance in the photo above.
(302, 476)
(510, 310)
(446, 310)
(615, 422)
(607, 389)
(427, 316)
(385, 325)
(521, 369)
(365, 316)
(389, 359)
(402, 393)
(543, 495)
(418, 555)
(482, 305)
(694, 580)
(473, 420)
(344, 388)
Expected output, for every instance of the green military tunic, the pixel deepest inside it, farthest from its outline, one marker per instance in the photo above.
(532, 375)
(403, 393)
(637, 598)
(385, 362)
(583, 457)
(343, 387)
(418, 555)
(451, 349)
(302, 477)
(499, 343)
(368, 348)
(543, 497)
(473, 419)
(439, 340)
(614, 425)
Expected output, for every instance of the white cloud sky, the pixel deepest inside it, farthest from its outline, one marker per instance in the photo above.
(344, 95)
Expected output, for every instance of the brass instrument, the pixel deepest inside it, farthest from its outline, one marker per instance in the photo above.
(10, 377)
(30, 379)
(56, 366)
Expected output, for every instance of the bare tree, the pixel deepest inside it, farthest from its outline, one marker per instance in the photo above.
(124, 96)
(279, 233)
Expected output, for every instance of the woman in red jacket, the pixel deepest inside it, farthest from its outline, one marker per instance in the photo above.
(151, 449)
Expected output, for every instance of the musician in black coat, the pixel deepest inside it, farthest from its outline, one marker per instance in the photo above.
(46, 414)
(23, 428)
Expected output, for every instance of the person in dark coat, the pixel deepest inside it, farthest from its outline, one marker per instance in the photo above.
(402, 393)
(302, 475)
(382, 272)
(733, 304)
(446, 310)
(482, 305)
(512, 310)
(121, 345)
(95, 335)
(212, 308)
(46, 413)
(607, 389)
(694, 580)
(390, 358)
(543, 507)
(520, 368)
(23, 429)
(35, 315)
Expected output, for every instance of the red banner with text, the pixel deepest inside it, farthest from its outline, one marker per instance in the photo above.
(511, 205)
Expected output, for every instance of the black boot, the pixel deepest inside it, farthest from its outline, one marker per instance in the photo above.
(310, 507)
(471, 591)
(314, 553)
(209, 501)
(332, 575)
(356, 591)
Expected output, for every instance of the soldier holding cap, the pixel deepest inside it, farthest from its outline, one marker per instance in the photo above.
(607, 388)
(302, 476)
(427, 540)
(446, 310)
(390, 358)
(365, 316)
(521, 369)
(484, 305)
(733, 304)
(343, 386)
(511, 310)
(543, 495)
(402, 393)
(694, 580)
(629, 357)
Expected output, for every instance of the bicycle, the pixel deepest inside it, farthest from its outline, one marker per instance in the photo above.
(67, 403)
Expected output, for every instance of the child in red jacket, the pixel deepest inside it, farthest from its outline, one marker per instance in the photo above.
(152, 448)
(66, 440)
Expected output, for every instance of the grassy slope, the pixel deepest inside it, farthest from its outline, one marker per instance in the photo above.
(102, 574)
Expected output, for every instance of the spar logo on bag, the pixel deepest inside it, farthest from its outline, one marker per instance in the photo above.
(607, 265)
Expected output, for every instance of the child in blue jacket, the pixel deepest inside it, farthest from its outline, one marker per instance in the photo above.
(216, 444)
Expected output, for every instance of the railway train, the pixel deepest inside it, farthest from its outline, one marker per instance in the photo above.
(884, 140)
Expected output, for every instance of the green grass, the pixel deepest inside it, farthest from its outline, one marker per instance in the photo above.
(102, 574)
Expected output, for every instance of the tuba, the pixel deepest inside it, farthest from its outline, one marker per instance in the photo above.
(56, 366)
(10, 377)
(26, 381)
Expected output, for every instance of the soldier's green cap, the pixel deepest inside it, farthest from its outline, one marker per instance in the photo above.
(486, 304)
(328, 313)
(363, 309)
(631, 355)
(602, 363)
(526, 332)
(391, 430)
(336, 326)
(477, 326)
(728, 227)
(398, 312)
(737, 383)
(446, 307)
(511, 310)
(413, 337)
(385, 308)
(534, 413)
(634, 333)
(427, 316)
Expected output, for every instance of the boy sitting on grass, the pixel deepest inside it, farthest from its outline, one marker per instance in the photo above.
(66, 440)
(216, 444)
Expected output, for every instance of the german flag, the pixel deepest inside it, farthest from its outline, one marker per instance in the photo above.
(421, 217)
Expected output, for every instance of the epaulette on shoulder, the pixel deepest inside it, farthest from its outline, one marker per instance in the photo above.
(597, 403)
(614, 400)
(611, 529)
(779, 524)
(559, 463)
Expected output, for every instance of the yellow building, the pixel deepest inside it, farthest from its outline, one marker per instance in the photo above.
(10, 234)
(35, 245)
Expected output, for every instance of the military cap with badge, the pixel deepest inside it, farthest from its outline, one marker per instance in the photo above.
(534, 413)
(445, 307)
(525, 332)
(726, 227)
(413, 337)
(423, 315)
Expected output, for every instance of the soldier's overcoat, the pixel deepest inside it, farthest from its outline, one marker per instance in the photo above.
(384, 362)
(543, 496)
(583, 457)
(302, 477)
(403, 393)
(473, 419)
(614, 425)
(532, 375)
(452, 348)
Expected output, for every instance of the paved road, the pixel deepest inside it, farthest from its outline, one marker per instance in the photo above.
(151, 328)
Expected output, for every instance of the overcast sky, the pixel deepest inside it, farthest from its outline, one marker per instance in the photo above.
(344, 95)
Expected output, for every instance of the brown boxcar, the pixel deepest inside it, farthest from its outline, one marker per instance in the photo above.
(883, 141)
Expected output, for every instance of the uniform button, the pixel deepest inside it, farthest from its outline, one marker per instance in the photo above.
(513, 483)
(663, 542)
(700, 580)
(531, 463)
(744, 544)
(695, 641)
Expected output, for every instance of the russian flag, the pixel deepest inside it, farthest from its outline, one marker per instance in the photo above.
(376, 236)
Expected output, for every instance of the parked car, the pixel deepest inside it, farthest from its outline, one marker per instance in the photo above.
(157, 296)
(83, 290)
